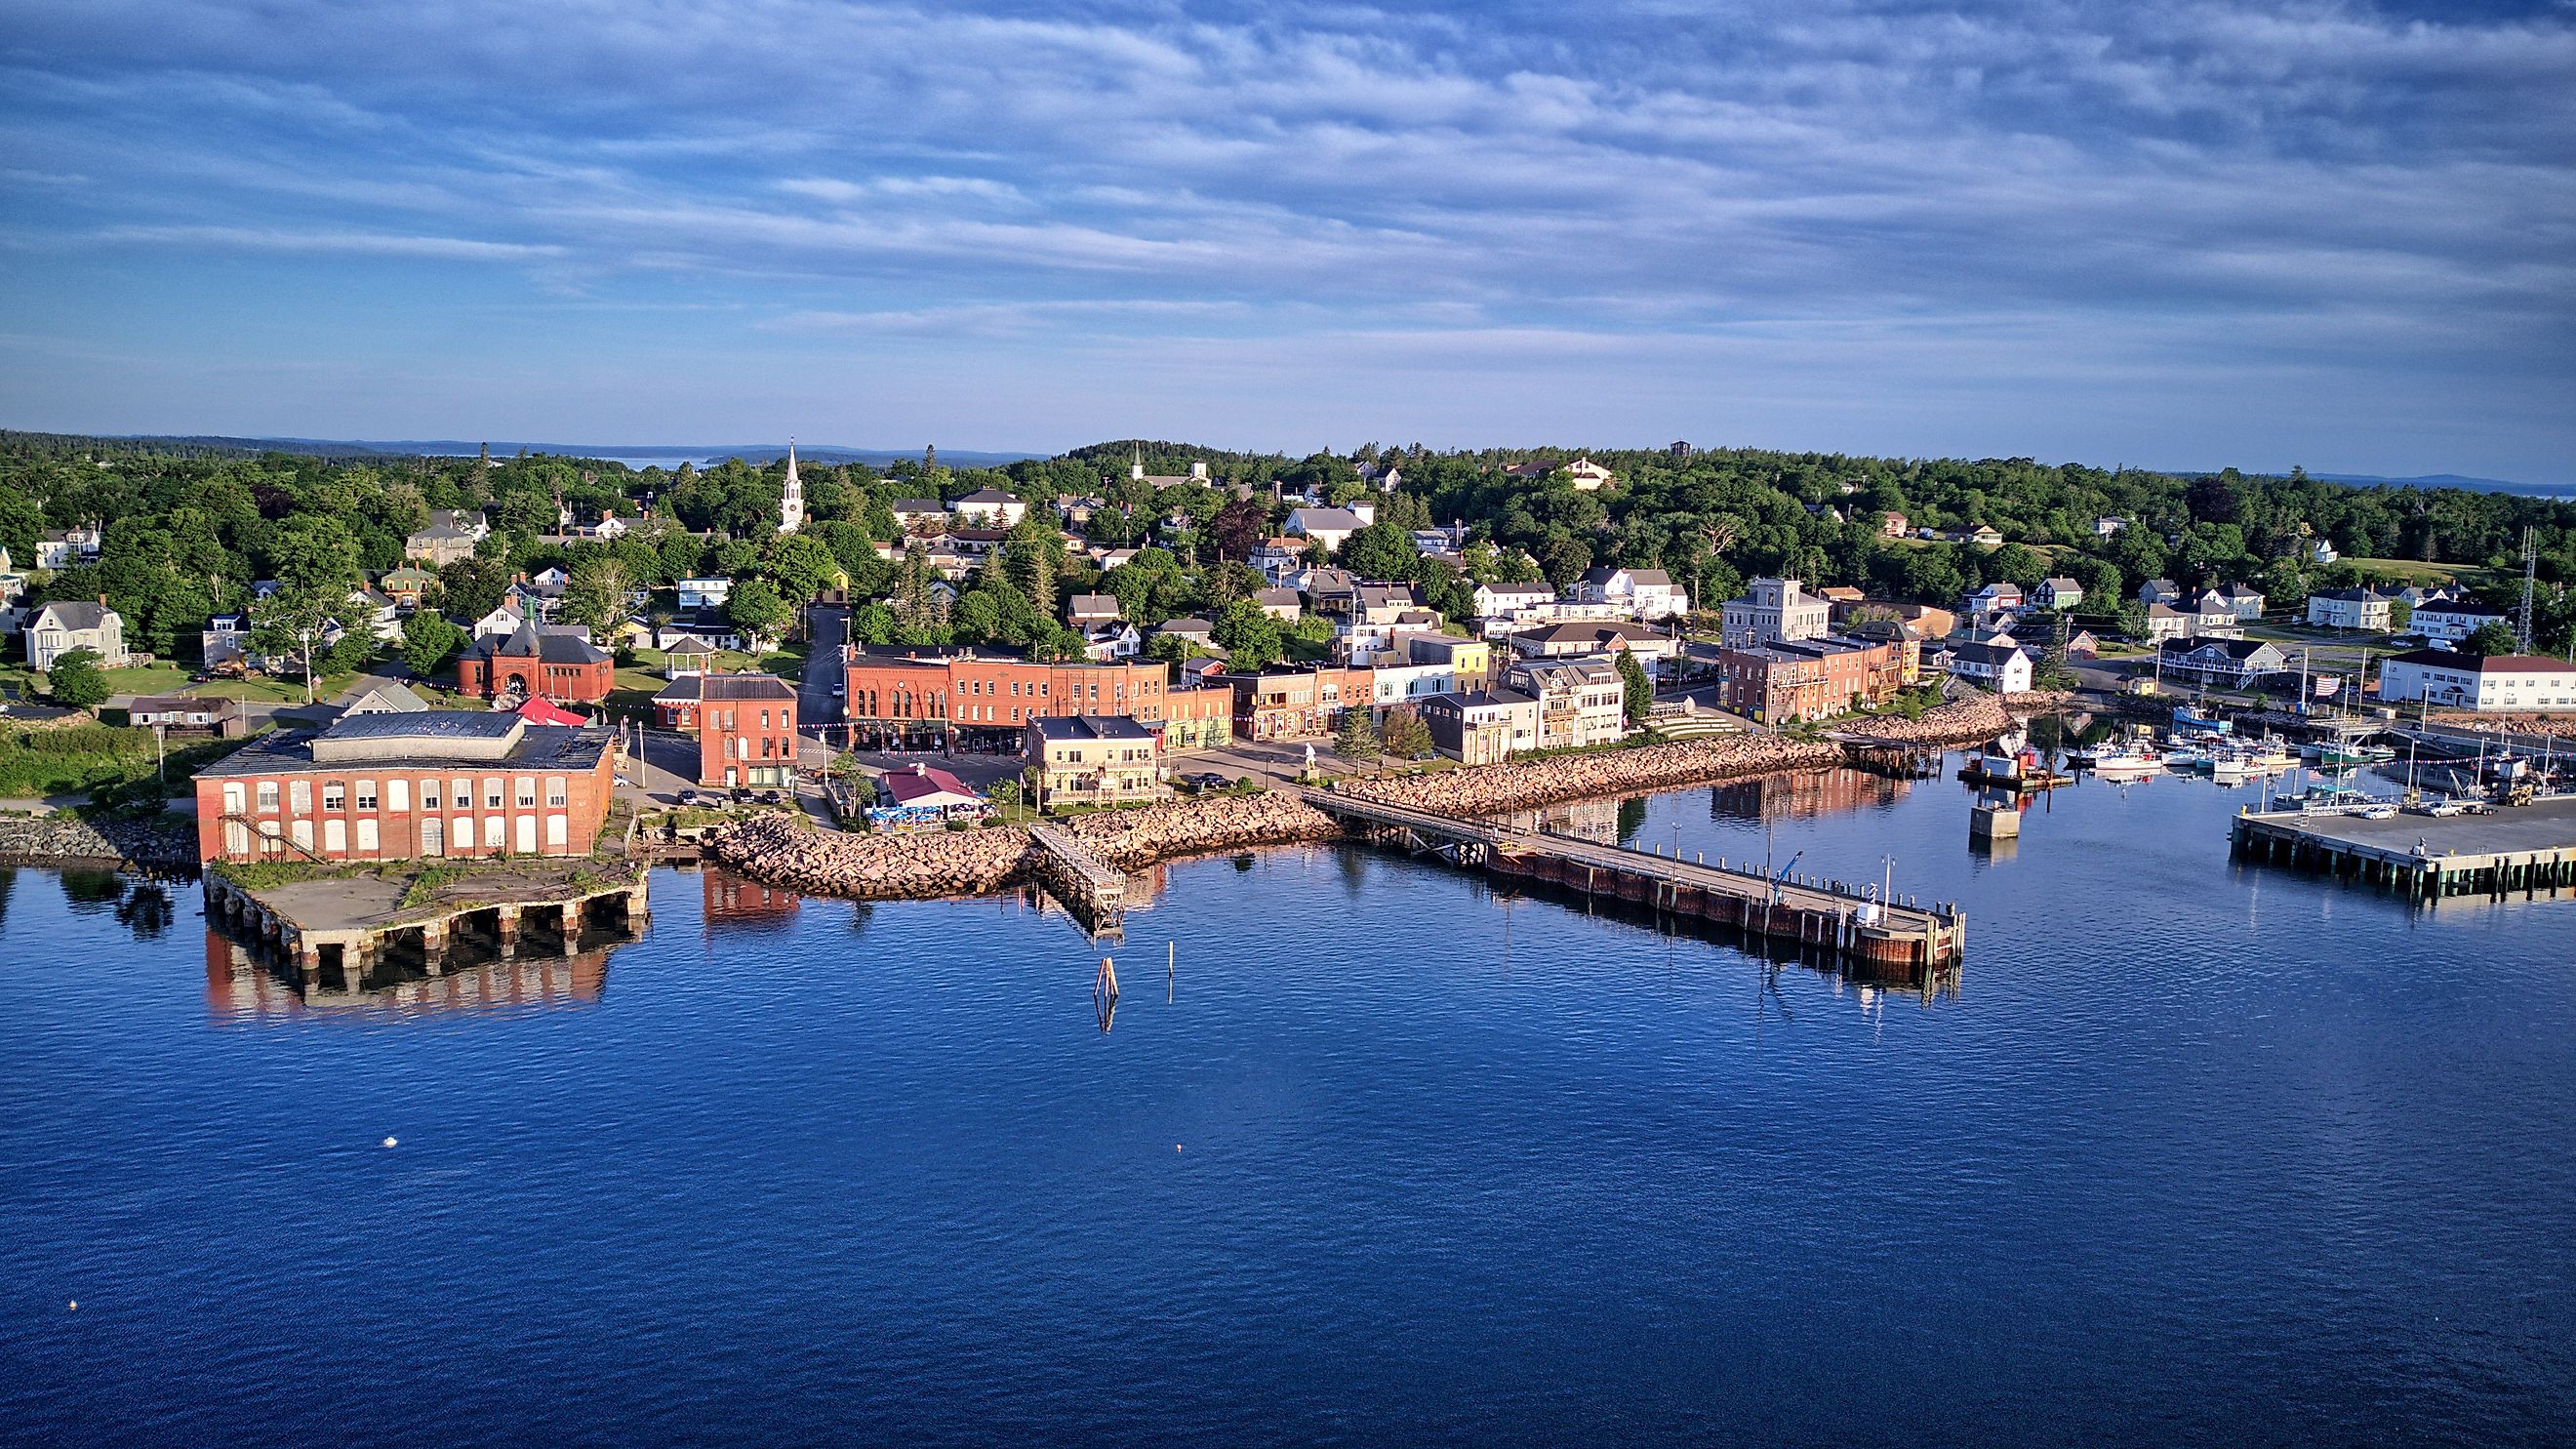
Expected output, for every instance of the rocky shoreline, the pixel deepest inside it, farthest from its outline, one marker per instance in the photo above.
(787, 851)
(63, 838)
(782, 850)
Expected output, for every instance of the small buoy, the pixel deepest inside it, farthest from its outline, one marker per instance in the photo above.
(389, 1142)
(75, 1305)
(1176, 1147)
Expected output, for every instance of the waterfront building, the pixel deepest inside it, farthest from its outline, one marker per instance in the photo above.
(1482, 727)
(435, 783)
(2219, 662)
(60, 627)
(925, 794)
(1197, 718)
(746, 727)
(2004, 668)
(2446, 679)
(534, 663)
(1773, 611)
(2349, 609)
(1581, 702)
(1809, 679)
(1094, 759)
(1297, 704)
(899, 696)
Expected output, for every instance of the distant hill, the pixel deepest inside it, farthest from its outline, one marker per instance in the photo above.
(2454, 480)
(345, 449)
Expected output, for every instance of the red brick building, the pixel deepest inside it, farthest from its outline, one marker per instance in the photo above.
(923, 697)
(746, 730)
(536, 663)
(432, 783)
(1808, 679)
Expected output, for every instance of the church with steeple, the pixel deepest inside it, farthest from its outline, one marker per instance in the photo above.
(791, 504)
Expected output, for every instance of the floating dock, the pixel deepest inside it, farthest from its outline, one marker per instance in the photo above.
(1814, 912)
(2527, 849)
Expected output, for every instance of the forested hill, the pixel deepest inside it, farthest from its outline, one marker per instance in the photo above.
(188, 530)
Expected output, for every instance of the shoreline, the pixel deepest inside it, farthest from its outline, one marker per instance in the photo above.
(791, 854)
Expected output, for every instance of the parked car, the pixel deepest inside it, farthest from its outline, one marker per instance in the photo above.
(1205, 780)
(692, 797)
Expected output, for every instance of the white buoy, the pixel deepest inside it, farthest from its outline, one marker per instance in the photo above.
(75, 1305)
(389, 1142)
(1176, 1147)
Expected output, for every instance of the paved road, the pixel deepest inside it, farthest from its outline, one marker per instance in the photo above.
(827, 627)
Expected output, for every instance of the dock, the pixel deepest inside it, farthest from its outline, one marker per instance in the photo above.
(1823, 914)
(1089, 886)
(2527, 849)
(348, 922)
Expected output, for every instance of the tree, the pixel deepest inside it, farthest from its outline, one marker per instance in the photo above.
(1357, 740)
(76, 680)
(1638, 699)
(1406, 736)
(1249, 637)
(1238, 529)
(2495, 636)
(291, 622)
(595, 593)
(1381, 551)
(759, 611)
(427, 641)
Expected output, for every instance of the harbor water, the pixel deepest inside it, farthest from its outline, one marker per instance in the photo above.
(2192, 1152)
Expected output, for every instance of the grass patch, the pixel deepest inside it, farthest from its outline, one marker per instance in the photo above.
(80, 759)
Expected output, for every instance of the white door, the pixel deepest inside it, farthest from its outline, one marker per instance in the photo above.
(433, 836)
(527, 835)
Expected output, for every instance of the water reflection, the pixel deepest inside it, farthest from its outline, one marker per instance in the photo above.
(1805, 795)
(142, 906)
(245, 983)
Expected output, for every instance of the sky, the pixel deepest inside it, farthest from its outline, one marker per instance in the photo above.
(2169, 235)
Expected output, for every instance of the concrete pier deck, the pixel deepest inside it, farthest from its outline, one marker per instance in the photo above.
(358, 914)
(2530, 848)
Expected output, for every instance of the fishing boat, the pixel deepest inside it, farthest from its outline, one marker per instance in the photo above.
(2346, 757)
(2005, 762)
(2126, 762)
(2188, 720)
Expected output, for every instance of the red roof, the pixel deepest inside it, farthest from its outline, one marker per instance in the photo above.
(543, 711)
(916, 785)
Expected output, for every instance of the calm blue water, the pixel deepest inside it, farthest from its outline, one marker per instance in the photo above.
(2195, 1154)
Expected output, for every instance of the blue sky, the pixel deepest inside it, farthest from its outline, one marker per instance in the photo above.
(2173, 234)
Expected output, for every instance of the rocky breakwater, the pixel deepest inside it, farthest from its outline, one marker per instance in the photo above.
(1134, 839)
(1524, 784)
(782, 851)
(156, 844)
(1970, 721)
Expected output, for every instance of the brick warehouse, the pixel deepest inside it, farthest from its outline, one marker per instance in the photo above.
(917, 697)
(438, 783)
(746, 730)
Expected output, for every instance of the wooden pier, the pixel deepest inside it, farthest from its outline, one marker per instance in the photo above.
(2517, 850)
(1090, 887)
(1824, 914)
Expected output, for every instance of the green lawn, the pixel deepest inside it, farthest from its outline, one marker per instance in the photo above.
(2414, 571)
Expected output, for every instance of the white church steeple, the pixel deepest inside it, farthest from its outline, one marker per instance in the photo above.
(791, 504)
(1136, 469)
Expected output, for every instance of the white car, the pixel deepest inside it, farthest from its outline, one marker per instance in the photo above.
(2377, 812)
